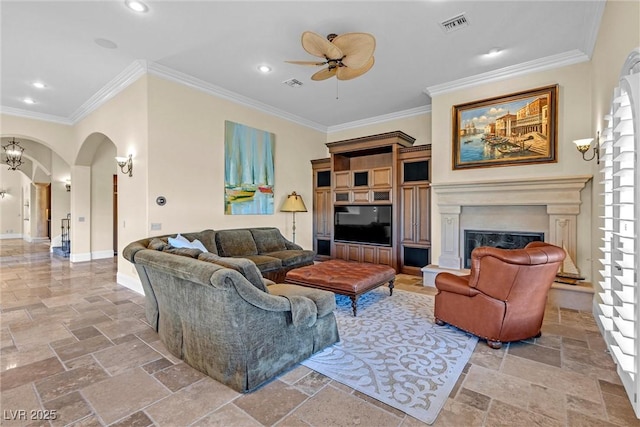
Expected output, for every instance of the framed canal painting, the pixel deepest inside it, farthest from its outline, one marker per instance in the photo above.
(248, 170)
(515, 129)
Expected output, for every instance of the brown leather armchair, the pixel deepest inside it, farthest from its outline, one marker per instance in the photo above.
(504, 297)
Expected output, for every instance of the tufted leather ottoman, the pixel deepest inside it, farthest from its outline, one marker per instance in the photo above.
(343, 277)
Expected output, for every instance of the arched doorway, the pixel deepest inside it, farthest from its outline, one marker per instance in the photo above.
(34, 193)
(94, 201)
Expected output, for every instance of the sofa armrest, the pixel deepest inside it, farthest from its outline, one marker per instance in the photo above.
(453, 283)
(303, 310)
(292, 246)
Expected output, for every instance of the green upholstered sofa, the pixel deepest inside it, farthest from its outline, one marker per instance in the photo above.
(221, 317)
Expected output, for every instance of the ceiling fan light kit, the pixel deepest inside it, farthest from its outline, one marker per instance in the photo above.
(347, 56)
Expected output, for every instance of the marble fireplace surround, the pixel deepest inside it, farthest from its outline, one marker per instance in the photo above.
(559, 196)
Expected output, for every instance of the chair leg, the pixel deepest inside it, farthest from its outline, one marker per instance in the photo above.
(496, 345)
(439, 322)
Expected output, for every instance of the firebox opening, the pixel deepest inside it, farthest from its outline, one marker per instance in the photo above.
(497, 239)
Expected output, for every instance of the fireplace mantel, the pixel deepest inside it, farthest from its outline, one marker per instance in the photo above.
(560, 196)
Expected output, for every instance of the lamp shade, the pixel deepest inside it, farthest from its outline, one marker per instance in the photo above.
(293, 203)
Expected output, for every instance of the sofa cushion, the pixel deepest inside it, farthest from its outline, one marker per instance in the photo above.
(265, 263)
(325, 300)
(293, 257)
(235, 243)
(268, 240)
(190, 252)
(157, 244)
(207, 237)
(244, 266)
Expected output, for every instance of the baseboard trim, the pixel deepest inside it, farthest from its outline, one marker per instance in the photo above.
(102, 254)
(130, 282)
(80, 257)
(10, 236)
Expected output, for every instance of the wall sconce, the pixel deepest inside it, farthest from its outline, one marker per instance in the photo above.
(3, 193)
(583, 146)
(125, 162)
(293, 204)
(67, 185)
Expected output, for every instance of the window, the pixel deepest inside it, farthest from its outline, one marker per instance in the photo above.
(619, 296)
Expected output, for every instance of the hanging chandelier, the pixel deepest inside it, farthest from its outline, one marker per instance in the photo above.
(13, 152)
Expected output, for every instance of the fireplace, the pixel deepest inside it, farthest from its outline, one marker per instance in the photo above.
(496, 239)
(550, 205)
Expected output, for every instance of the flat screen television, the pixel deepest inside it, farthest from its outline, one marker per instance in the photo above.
(362, 224)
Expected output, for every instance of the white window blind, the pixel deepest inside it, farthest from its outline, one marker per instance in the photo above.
(618, 311)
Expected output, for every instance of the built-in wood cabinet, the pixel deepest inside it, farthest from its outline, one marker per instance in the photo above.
(322, 208)
(364, 253)
(389, 176)
(415, 202)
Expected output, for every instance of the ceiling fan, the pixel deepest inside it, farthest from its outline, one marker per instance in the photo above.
(348, 55)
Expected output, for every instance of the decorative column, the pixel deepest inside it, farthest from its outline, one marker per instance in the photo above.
(450, 226)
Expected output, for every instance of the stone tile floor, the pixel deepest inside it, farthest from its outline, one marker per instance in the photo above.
(75, 343)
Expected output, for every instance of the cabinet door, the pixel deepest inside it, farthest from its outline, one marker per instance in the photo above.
(381, 177)
(408, 214)
(422, 214)
(354, 253)
(369, 254)
(360, 196)
(322, 207)
(384, 256)
(341, 251)
(343, 179)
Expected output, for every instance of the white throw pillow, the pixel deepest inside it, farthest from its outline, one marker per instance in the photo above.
(182, 242)
(197, 244)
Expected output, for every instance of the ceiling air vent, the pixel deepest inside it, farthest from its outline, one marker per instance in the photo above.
(454, 23)
(293, 82)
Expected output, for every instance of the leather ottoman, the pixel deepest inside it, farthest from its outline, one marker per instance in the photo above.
(343, 277)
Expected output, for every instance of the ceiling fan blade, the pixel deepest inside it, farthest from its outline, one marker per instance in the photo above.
(356, 47)
(346, 73)
(306, 62)
(319, 46)
(324, 74)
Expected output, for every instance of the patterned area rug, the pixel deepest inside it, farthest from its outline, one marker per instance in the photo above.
(393, 352)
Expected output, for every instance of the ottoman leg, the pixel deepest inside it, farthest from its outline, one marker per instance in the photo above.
(391, 286)
(354, 305)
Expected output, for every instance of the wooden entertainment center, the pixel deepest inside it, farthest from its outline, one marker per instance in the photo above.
(358, 183)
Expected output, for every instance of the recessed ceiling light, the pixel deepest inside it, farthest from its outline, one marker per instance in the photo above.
(494, 51)
(29, 101)
(264, 68)
(107, 44)
(39, 85)
(136, 6)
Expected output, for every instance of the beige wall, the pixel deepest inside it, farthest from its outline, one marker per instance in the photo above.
(186, 154)
(124, 121)
(418, 126)
(11, 204)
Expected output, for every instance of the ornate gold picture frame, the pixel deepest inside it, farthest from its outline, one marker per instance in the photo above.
(516, 129)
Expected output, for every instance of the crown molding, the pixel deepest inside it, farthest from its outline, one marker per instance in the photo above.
(593, 26)
(129, 75)
(538, 65)
(195, 83)
(380, 119)
(33, 115)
